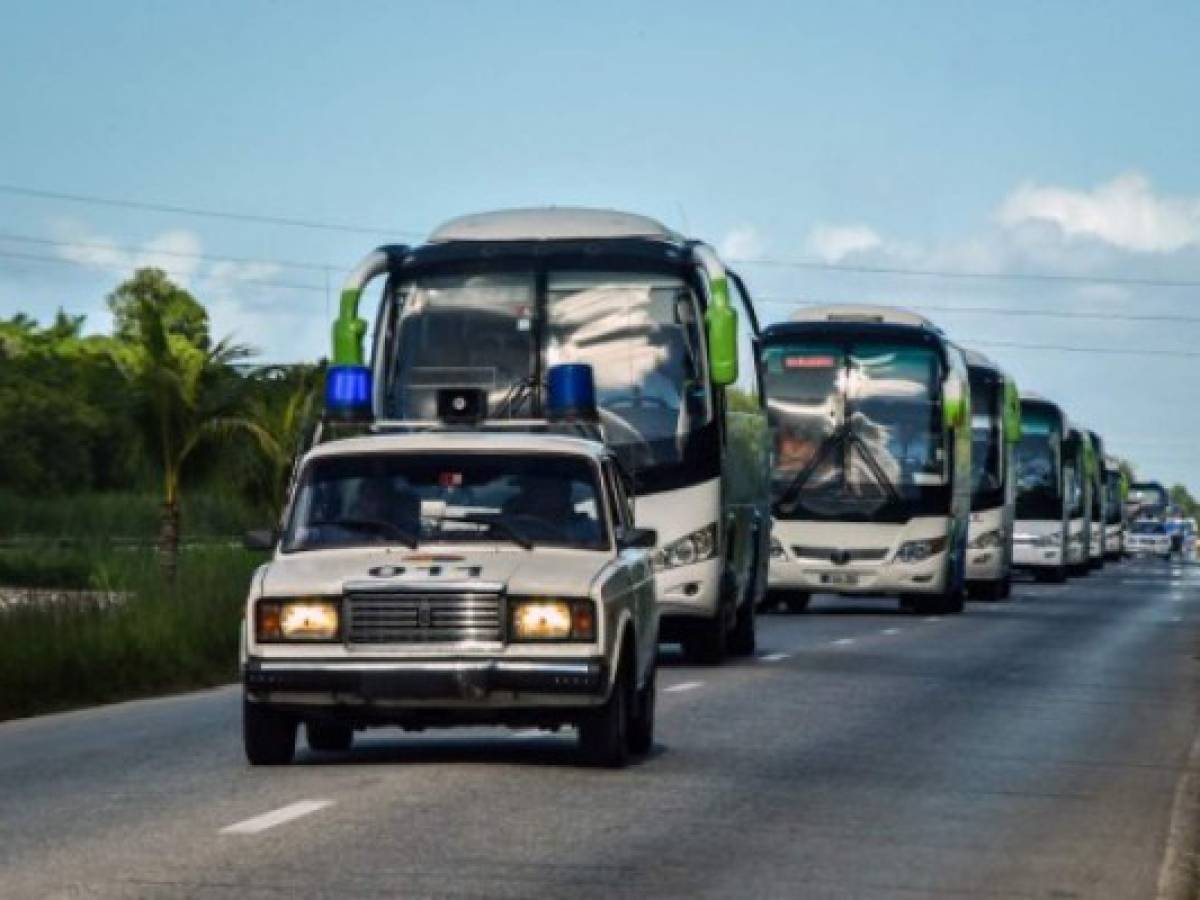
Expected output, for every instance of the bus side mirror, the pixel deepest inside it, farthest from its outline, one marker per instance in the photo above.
(1012, 413)
(721, 320)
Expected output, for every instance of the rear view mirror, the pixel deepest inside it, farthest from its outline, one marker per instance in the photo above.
(721, 321)
(260, 539)
(637, 539)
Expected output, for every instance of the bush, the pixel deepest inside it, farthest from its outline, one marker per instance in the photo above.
(158, 638)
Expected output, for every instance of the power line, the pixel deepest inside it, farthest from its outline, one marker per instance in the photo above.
(58, 260)
(145, 251)
(21, 191)
(945, 273)
(1004, 311)
(1064, 348)
(812, 264)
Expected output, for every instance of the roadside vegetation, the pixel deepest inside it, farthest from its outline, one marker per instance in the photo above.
(130, 465)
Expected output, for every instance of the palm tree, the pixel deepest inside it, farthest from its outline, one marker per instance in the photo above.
(280, 427)
(186, 397)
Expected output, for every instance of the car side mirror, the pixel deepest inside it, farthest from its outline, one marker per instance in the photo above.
(637, 539)
(260, 539)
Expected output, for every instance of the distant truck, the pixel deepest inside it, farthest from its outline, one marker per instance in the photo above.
(436, 579)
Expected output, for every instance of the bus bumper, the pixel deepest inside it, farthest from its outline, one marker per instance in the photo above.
(691, 592)
(925, 577)
(1029, 556)
(985, 565)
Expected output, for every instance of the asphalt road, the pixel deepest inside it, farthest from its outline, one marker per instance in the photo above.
(1033, 748)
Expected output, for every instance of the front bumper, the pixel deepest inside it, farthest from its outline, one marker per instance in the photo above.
(1030, 556)
(459, 683)
(985, 565)
(925, 577)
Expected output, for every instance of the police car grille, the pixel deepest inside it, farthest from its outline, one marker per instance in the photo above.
(422, 618)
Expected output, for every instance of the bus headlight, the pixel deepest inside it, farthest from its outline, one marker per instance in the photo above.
(989, 540)
(299, 619)
(919, 551)
(549, 619)
(777, 551)
(691, 548)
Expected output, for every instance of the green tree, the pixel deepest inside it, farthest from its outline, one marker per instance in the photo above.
(185, 398)
(180, 312)
(282, 412)
(1182, 497)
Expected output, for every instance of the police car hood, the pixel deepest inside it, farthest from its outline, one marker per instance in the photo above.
(540, 571)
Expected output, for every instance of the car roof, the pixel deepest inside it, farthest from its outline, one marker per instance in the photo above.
(462, 442)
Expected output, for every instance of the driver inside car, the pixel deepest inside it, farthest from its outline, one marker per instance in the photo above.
(544, 510)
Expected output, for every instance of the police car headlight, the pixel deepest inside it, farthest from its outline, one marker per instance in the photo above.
(919, 551)
(691, 548)
(299, 619)
(989, 540)
(549, 619)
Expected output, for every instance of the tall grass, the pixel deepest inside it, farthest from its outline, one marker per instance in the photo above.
(132, 515)
(160, 637)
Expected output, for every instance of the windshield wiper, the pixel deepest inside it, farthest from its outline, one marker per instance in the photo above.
(516, 535)
(375, 526)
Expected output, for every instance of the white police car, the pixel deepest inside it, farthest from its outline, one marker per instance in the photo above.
(443, 578)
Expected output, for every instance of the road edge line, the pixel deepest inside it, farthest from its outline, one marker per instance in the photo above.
(1178, 876)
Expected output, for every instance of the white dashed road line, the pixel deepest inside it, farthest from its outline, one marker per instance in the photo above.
(277, 817)
(683, 686)
(775, 657)
(843, 642)
(891, 631)
(933, 618)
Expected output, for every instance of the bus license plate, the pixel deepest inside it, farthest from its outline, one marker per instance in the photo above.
(841, 578)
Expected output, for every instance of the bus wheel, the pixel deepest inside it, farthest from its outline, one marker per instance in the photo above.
(741, 639)
(796, 601)
(707, 643)
(1056, 575)
(953, 601)
(1006, 587)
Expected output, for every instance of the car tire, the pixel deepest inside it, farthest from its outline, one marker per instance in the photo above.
(268, 735)
(796, 602)
(742, 640)
(708, 642)
(604, 734)
(641, 726)
(328, 737)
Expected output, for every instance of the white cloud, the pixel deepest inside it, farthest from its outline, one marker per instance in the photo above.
(833, 243)
(742, 243)
(1125, 213)
(175, 252)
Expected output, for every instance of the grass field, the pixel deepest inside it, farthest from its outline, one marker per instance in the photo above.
(160, 637)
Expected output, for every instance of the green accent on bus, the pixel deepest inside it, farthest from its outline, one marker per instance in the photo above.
(1012, 412)
(721, 322)
(348, 331)
(955, 400)
(1089, 457)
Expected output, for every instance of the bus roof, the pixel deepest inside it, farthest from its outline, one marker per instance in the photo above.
(977, 360)
(851, 314)
(552, 223)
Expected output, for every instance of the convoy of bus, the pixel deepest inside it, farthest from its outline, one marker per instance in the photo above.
(570, 439)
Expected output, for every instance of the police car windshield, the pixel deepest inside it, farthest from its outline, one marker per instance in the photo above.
(408, 499)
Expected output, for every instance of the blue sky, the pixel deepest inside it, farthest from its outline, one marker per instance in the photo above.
(960, 137)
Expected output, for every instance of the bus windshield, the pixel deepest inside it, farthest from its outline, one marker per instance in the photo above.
(499, 332)
(858, 430)
(1039, 465)
(987, 442)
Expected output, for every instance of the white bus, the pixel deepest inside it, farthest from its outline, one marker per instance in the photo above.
(1079, 501)
(483, 314)
(871, 490)
(1040, 532)
(1099, 507)
(1114, 509)
(995, 431)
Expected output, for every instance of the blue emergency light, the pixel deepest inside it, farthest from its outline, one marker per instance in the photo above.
(348, 393)
(571, 393)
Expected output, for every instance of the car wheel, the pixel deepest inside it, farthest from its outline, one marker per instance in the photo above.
(604, 735)
(742, 640)
(328, 737)
(641, 727)
(268, 736)
(708, 643)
